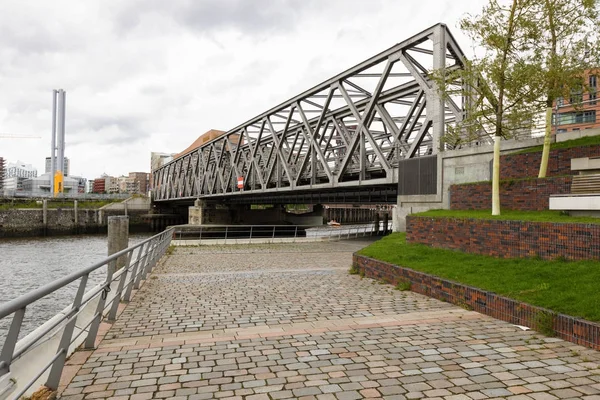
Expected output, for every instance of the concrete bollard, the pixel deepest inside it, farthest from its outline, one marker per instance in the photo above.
(45, 212)
(76, 213)
(118, 237)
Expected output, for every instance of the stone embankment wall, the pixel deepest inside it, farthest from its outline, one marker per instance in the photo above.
(507, 239)
(525, 195)
(62, 221)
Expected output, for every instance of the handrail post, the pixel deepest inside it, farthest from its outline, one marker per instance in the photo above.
(251, 226)
(273, 237)
(143, 260)
(149, 261)
(65, 340)
(112, 315)
(130, 284)
(90, 340)
(295, 233)
(226, 229)
(11, 341)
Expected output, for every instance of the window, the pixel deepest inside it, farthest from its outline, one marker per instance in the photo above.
(593, 98)
(562, 130)
(560, 102)
(589, 116)
(575, 129)
(592, 81)
(586, 117)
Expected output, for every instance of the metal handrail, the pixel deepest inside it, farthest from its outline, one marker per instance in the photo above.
(250, 232)
(148, 252)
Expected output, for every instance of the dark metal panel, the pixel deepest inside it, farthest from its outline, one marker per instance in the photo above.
(417, 176)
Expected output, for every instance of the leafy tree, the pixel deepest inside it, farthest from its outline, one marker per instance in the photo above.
(565, 47)
(499, 84)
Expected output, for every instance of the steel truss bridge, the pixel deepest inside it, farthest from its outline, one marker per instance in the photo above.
(339, 140)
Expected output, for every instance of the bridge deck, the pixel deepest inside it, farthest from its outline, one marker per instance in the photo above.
(287, 321)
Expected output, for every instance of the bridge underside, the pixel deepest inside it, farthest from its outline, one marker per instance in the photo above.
(373, 194)
(341, 141)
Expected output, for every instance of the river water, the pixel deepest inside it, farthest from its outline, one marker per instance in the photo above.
(29, 263)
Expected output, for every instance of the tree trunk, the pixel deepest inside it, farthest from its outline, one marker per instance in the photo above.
(547, 138)
(496, 177)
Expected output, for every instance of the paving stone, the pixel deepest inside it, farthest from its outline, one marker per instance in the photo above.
(288, 321)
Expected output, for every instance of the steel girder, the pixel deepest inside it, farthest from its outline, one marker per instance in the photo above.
(349, 131)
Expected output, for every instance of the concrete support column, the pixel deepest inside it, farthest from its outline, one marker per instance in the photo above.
(196, 213)
(376, 223)
(118, 237)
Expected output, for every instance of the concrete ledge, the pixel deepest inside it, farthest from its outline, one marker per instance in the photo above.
(575, 330)
(581, 202)
(585, 164)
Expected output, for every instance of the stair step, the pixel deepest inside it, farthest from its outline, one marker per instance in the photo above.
(586, 184)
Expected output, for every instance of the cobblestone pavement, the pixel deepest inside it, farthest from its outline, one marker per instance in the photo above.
(287, 321)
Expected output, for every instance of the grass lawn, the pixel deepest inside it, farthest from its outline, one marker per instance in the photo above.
(568, 287)
(510, 215)
(584, 141)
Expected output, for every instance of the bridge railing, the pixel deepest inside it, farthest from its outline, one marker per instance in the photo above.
(40, 356)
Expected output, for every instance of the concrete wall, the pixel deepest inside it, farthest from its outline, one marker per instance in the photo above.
(132, 203)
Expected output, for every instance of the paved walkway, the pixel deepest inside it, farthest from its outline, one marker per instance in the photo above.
(287, 321)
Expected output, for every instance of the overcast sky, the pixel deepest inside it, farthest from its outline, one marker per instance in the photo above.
(152, 75)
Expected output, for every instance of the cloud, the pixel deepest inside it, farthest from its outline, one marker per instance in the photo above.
(152, 75)
(206, 16)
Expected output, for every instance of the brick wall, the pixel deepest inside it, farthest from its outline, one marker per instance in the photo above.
(515, 166)
(526, 195)
(575, 330)
(504, 239)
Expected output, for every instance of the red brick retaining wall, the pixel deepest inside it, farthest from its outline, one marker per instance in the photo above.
(514, 166)
(572, 329)
(526, 195)
(506, 239)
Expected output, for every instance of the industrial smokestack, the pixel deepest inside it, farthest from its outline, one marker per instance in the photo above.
(58, 142)
(53, 145)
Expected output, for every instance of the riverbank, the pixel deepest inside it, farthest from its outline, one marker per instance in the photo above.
(30, 222)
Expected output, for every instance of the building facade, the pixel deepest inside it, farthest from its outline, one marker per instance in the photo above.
(20, 170)
(138, 182)
(66, 166)
(581, 110)
(99, 185)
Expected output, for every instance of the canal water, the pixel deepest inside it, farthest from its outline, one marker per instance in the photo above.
(27, 264)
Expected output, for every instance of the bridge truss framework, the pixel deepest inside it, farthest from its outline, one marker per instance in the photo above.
(350, 131)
